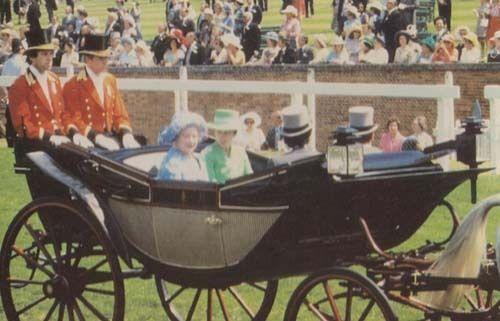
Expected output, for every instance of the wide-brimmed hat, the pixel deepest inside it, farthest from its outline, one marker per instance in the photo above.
(337, 40)
(95, 45)
(448, 38)
(354, 28)
(291, 10)
(38, 40)
(429, 42)
(230, 39)
(361, 118)
(271, 35)
(226, 120)
(353, 10)
(369, 42)
(180, 121)
(410, 33)
(375, 5)
(296, 121)
(252, 115)
(472, 37)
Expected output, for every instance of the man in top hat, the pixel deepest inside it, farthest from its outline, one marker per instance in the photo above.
(35, 99)
(361, 118)
(296, 132)
(94, 101)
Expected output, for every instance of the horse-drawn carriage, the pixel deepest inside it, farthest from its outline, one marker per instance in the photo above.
(219, 251)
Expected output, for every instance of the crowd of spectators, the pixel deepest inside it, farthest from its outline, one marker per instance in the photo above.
(229, 33)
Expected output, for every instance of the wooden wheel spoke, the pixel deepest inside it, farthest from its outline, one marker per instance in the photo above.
(314, 310)
(222, 303)
(175, 295)
(242, 303)
(367, 310)
(92, 308)
(489, 299)
(95, 267)
(78, 311)
(60, 316)
(71, 313)
(331, 301)
(348, 305)
(31, 261)
(100, 291)
(24, 282)
(68, 253)
(258, 287)
(51, 311)
(209, 304)
(193, 305)
(79, 257)
(40, 246)
(471, 302)
(31, 305)
(479, 298)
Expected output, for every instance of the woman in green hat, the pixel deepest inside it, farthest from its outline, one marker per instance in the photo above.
(224, 160)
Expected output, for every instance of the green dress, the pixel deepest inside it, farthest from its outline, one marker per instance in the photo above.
(222, 167)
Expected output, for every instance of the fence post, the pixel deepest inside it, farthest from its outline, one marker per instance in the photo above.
(445, 124)
(183, 76)
(311, 104)
(494, 125)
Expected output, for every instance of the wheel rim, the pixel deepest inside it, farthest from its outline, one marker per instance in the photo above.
(58, 271)
(339, 297)
(247, 301)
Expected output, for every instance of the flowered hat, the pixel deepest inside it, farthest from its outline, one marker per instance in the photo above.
(429, 43)
(226, 120)
(180, 121)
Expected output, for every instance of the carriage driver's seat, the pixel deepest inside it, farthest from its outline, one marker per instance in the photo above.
(387, 161)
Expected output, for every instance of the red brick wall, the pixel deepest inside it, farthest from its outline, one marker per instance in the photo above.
(151, 111)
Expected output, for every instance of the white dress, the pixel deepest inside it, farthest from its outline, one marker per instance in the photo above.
(472, 56)
(250, 140)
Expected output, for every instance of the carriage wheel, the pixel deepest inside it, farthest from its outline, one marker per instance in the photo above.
(57, 264)
(341, 295)
(247, 301)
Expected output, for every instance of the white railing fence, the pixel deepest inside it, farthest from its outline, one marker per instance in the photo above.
(444, 93)
(492, 93)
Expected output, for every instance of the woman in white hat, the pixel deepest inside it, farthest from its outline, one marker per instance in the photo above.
(235, 55)
(321, 52)
(353, 43)
(352, 15)
(144, 54)
(270, 52)
(250, 136)
(128, 57)
(224, 159)
(181, 162)
(471, 52)
(338, 55)
(291, 26)
(407, 51)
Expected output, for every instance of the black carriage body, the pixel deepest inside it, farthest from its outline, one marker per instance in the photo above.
(279, 222)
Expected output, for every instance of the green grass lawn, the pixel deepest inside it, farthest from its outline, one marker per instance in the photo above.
(153, 14)
(142, 301)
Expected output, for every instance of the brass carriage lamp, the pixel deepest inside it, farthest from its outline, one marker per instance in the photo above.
(345, 154)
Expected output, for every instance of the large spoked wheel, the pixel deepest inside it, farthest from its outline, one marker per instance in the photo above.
(247, 301)
(57, 264)
(338, 294)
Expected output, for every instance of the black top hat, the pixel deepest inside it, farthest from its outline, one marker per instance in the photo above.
(38, 40)
(95, 45)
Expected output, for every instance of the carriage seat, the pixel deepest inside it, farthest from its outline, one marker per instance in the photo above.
(149, 162)
(385, 161)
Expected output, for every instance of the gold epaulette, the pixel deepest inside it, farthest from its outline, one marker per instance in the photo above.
(30, 79)
(82, 75)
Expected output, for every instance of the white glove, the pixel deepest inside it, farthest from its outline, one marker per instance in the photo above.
(57, 140)
(82, 141)
(129, 141)
(106, 142)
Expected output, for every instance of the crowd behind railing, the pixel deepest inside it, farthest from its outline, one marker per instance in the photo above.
(230, 33)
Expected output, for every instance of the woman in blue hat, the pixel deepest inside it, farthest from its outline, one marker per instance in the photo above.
(181, 162)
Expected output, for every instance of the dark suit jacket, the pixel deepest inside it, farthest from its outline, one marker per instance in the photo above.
(59, 30)
(286, 56)
(51, 4)
(391, 24)
(33, 16)
(256, 14)
(250, 40)
(159, 46)
(195, 55)
(305, 55)
(271, 142)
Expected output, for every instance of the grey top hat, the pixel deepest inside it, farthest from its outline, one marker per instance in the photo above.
(361, 118)
(296, 121)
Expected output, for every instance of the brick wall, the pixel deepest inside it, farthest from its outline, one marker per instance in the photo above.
(151, 111)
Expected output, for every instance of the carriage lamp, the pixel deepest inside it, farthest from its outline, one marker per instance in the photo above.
(473, 144)
(345, 154)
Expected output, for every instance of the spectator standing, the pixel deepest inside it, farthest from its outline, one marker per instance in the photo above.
(16, 63)
(195, 52)
(494, 53)
(186, 23)
(5, 11)
(255, 10)
(300, 5)
(81, 19)
(128, 58)
(68, 18)
(407, 8)
(428, 46)
(228, 21)
(471, 53)
(393, 23)
(206, 28)
(392, 140)
(494, 19)
(353, 43)
(291, 26)
(322, 51)
(71, 3)
(112, 24)
(33, 15)
(352, 20)
(55, 30)
(159, 44)
(219, 14)
(375, 10)
(339, 54)
(136, 12)
(51, 6)
(250, 39)
(70, 57)
(309, 8)
(378, 55)
(129, 29)
(263, 4)
(239, 22)
(286, 54)
(20, 8)
(305, 53)
(444, 9)
(482, 13)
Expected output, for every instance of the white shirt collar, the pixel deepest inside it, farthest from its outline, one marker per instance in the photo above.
(42, 79)
(98, 81)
